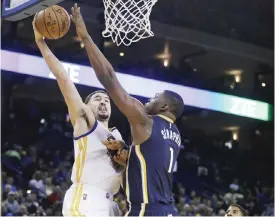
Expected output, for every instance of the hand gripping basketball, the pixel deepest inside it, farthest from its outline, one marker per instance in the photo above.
(77, 19)
(38, 37)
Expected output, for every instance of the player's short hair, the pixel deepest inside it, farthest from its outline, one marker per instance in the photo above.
(175, 102)
(93, 93)
(243, 211)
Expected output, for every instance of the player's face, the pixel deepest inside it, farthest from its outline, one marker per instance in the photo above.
(153, 105)
(233, 211)
(100, 105)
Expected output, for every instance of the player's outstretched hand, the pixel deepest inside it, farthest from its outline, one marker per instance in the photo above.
(38, 37)
(77, 19)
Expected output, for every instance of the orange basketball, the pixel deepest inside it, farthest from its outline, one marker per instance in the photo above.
(53, 22)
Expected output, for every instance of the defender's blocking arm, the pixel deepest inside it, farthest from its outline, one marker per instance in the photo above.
(133, 109)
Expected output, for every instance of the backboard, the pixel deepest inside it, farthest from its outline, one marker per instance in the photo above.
(14, 10)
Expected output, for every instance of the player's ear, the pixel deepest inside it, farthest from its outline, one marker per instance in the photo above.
(164, 107)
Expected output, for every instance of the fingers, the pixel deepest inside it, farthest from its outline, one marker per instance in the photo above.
(78, 10)
(72, 18)
(123, 155)
(112, 144)
(33, 22)
(119, 161)
(75, 10)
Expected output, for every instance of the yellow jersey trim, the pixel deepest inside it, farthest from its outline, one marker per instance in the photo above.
(79, 162)
(127, 178)
(143, 174)
(166, 118)
(142, 211)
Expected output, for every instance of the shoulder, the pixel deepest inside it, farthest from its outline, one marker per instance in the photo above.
(32, 181)
(115, 132)
(88, 131)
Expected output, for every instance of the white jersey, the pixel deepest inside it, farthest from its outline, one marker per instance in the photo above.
(93, 165)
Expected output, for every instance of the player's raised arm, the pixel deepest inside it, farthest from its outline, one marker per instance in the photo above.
(72, 98)
(133, 109)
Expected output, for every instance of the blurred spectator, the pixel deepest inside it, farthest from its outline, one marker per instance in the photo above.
(11, 205)
(38, 184)
(32, 203)
(10, 182)
(22, 211)
(234, 185)
(55, 196)
(48, 186)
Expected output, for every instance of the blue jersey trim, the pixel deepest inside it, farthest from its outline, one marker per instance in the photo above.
(89, 132)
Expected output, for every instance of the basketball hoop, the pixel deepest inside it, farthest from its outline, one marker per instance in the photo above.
(127, 21)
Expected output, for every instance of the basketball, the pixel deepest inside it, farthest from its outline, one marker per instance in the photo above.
(53, 22)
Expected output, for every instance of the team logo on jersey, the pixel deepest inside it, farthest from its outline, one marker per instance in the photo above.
(84, 196)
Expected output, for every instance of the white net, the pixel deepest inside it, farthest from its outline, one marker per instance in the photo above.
(127, 21)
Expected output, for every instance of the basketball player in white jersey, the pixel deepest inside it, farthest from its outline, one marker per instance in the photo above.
(96, 176)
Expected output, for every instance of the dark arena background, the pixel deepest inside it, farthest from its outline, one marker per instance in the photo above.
(219, 56)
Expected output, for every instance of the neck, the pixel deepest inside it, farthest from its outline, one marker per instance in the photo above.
(105, 123)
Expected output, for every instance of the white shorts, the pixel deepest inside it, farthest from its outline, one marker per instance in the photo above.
(86, 200)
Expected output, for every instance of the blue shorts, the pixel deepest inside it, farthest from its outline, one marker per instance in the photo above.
(153, 210)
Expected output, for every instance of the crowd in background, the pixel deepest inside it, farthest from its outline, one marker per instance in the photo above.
(37, 158)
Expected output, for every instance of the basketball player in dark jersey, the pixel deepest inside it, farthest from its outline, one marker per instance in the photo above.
(156, 139)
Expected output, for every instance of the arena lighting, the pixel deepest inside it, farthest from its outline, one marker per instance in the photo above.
(36, 66)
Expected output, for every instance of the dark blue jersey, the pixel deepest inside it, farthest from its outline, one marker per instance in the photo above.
(149, 174)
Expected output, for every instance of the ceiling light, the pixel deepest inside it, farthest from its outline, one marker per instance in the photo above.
(166, 63)
(121, 54)
(108, 44)
(166, 53)
(232, 128)
(81, 44)
(235, 135)
(263, 84)
(237, 78)
(234, 72)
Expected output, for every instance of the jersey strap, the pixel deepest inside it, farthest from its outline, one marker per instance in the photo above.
(112, 129)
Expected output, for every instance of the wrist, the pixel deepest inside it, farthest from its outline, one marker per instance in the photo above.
(39, 41)
(123, 145)
(85, 37)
